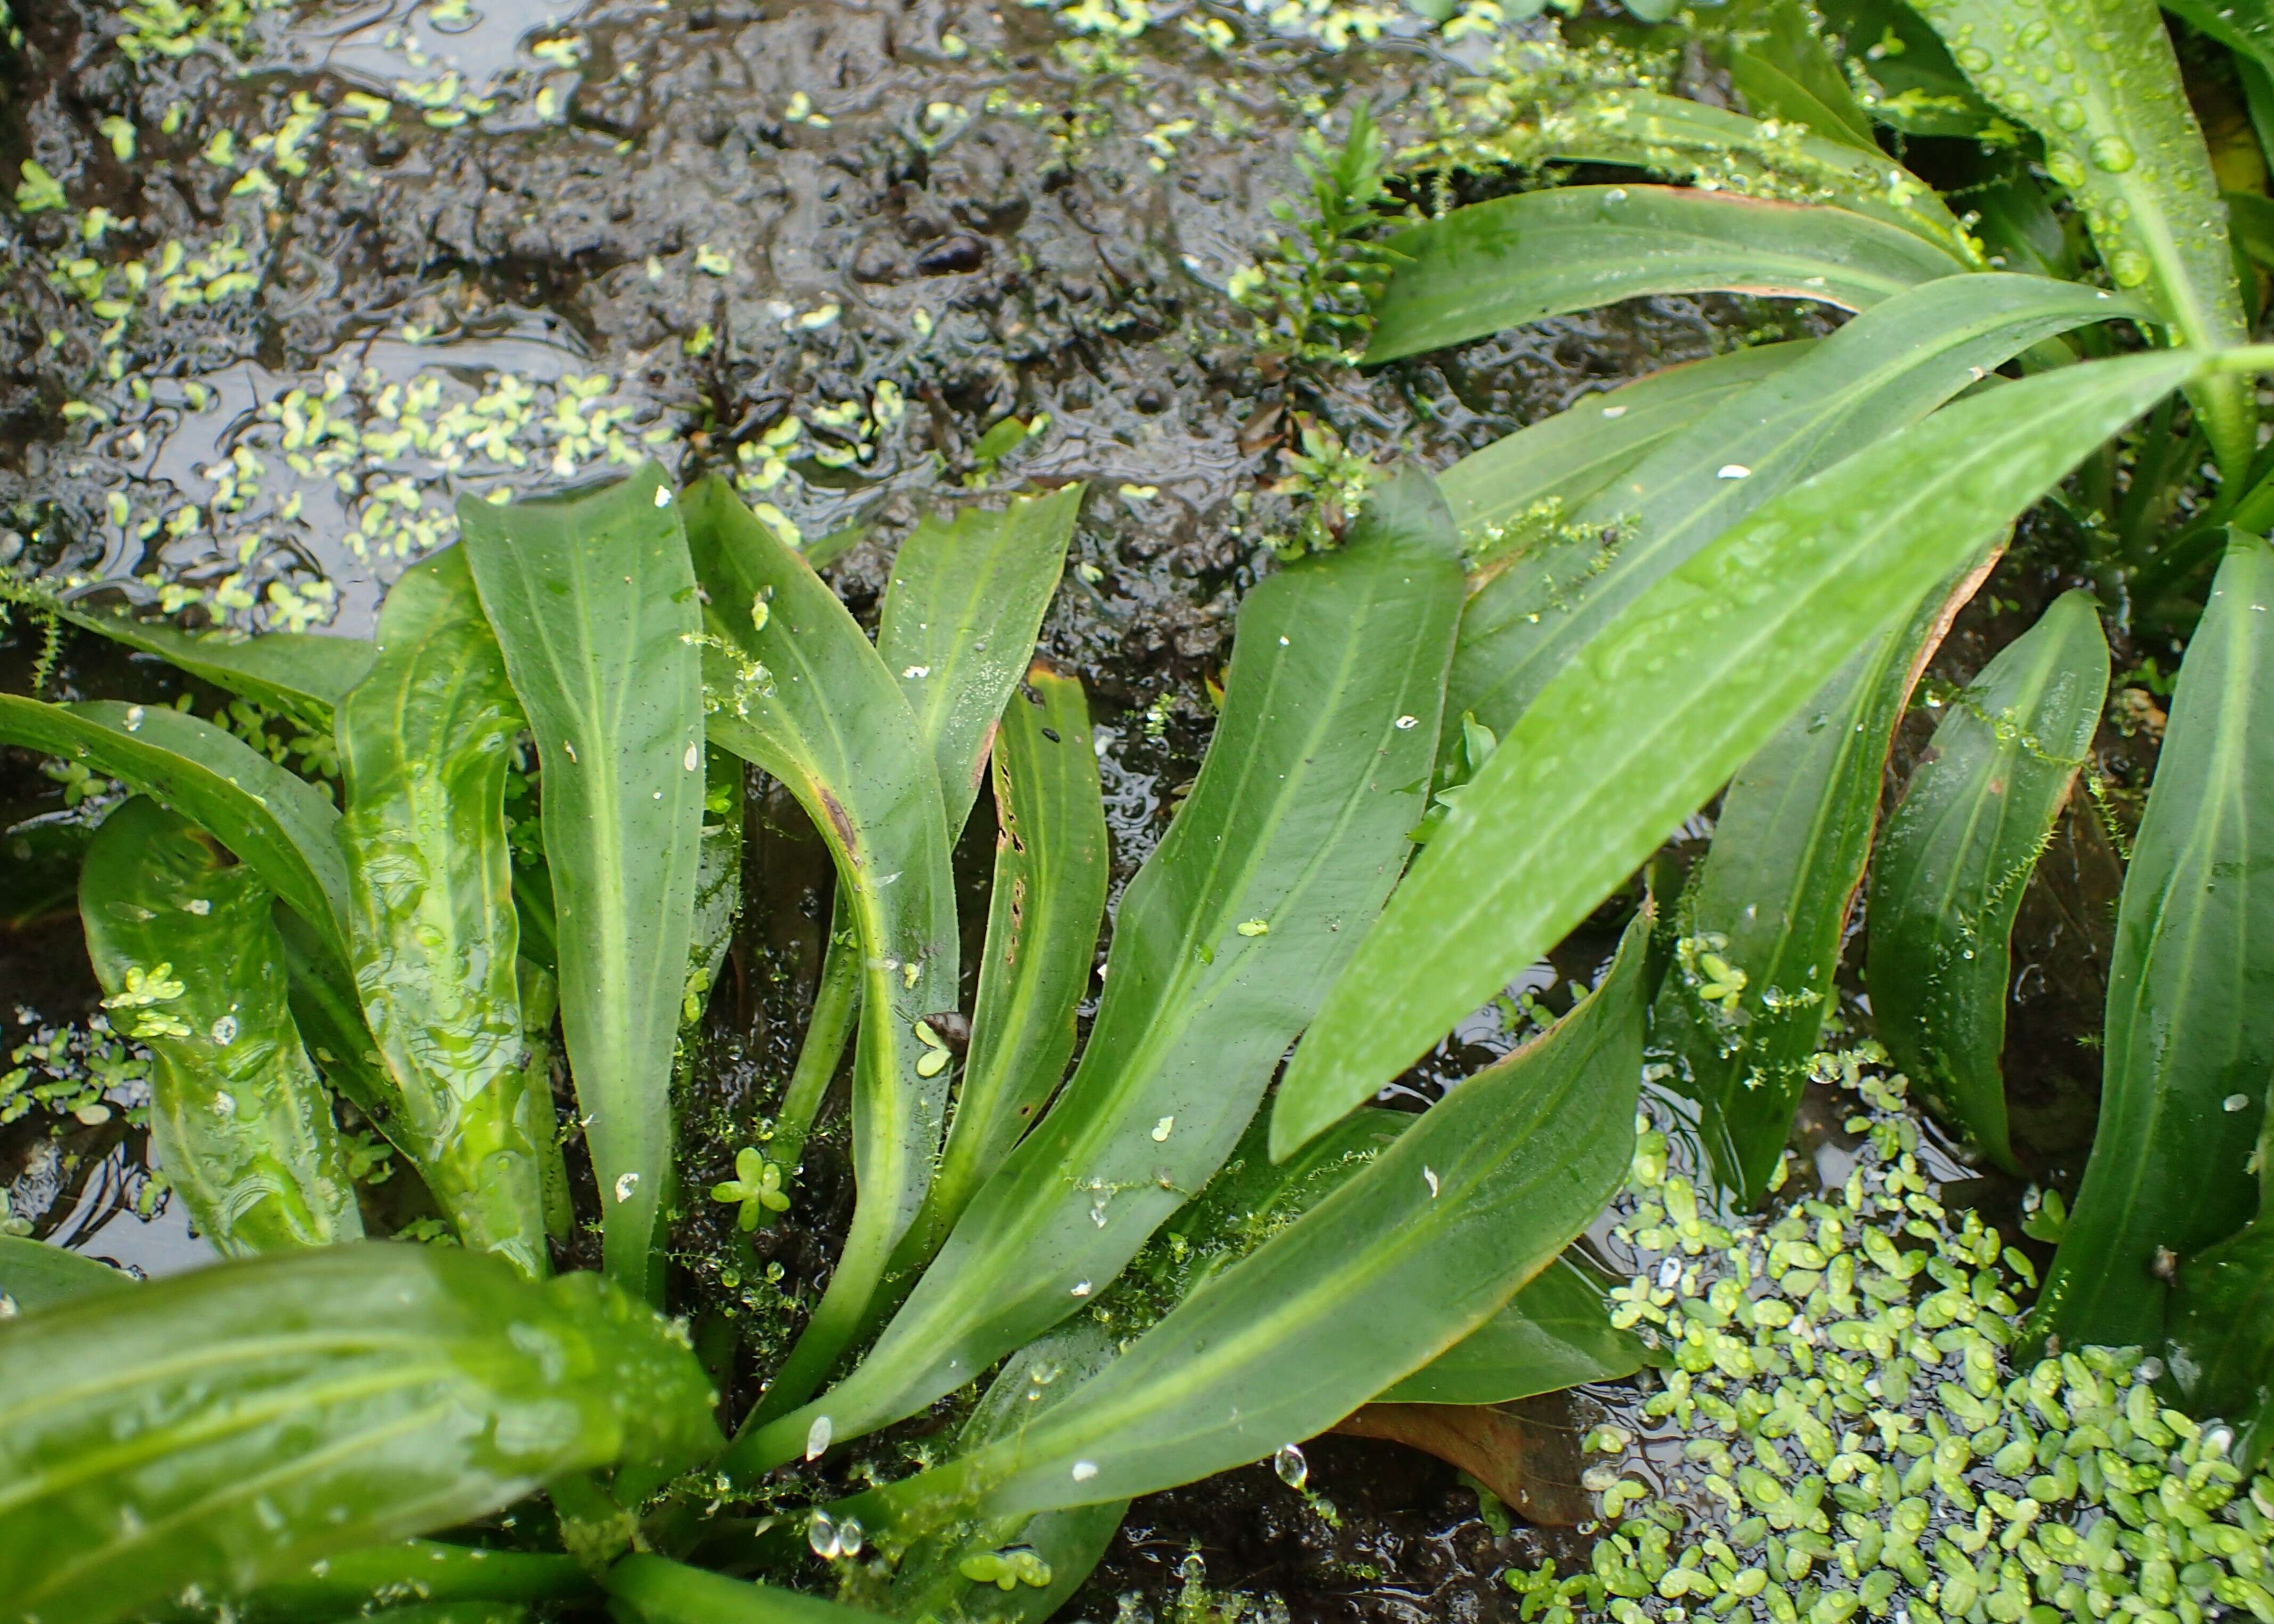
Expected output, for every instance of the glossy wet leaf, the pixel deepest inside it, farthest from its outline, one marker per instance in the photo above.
(958, 1573)
(281, 827)
(1781, 64)
(233, 1425)
(2099, 82)
(795, 685)
(1688, 681)
(1888, 367)
(1042, 918)
(425, 741)
(592, 601)
(1555, 1334)
(1914, 86)
(187, 950)
(718, 879)
(1959, 851)
(1295, 829)
(1772, 899)
(303, 674)
(2246, 26)
(35, 1276)
(329, 1013)
(960, 614)
(2189, 1040)
(350, 1583)
(1567, 457)
(654, 1589)
(1402, 1263)
(1536, 254)
(2222, 1336)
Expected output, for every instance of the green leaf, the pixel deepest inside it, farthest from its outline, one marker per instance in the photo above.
(281, 827)
(1538, 254)
(1911, 83)
(1294, 833)
(2189, 1040)
(350, 1583)
(2222, 1336)
(1401, 1264)
(658, 1590)
(1018, 1569)
(185, 946)
(1690, 680)
(960, 614)
(1888, 367)
(1960, 849)
(35, 1274)
(2099, 84)
(424, 743)
(718, 878)
(329, 1015)
(794, 687)
(1567, 458)
(303, 674)
(2245, 27)
(1043, 918)
(1779, 60)
(593, 604)
(1555, 1334)
(229, 1427)
(1773, 897)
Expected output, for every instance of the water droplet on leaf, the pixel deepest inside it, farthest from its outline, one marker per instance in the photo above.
(1293, 1469)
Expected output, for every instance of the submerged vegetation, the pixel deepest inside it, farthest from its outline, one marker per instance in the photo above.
(444, 909)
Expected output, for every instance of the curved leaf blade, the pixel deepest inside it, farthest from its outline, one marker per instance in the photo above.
(2222, 1336)
(2099, 84)
(1294, 834)
(658, 1590)
(35, 1276)
(1670, 699)
(2189, 1040)
(186, 950)
(961, 616)
(1537, 254)
(1959, 848)
(1042, 920)
(592, 601)
(295, 1406)
(1397, 1266)
(1567, 458)
(303, 674)
(795, 687)
(1888, 368)
(424, 740)
(1554, 1334)
(352, 1582)
(281, 827)
(1773, 897)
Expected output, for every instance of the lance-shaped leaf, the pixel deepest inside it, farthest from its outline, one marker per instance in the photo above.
(1777, 57)
(350, 1584)
(1042, 918)
(1294, 832)
(1761, 925)
(1890, 367)
(654, 1589)
(2189, 1040)
(231, 1425)
(1021, 1569)
(593, 604)
(1910, 83)
(1402, 1263)
(185, 947)
(966, 600)
(795, 688)
(2099, 84)
(425, 743)
(35, 1274)
(303, 674)
(1564, 460)
(2222, 1336)
(1667, 702)
(281, 827)
(1546, 253)
(1960, 848)
(1555, 1334)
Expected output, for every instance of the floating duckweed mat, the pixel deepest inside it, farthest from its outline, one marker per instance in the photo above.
(1852, 1424)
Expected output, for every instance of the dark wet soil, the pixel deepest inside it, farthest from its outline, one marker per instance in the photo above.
(1001, 224)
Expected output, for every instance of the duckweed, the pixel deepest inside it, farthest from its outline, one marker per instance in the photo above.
(1849, 1430)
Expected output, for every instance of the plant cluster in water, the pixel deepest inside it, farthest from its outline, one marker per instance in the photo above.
(436, 906)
